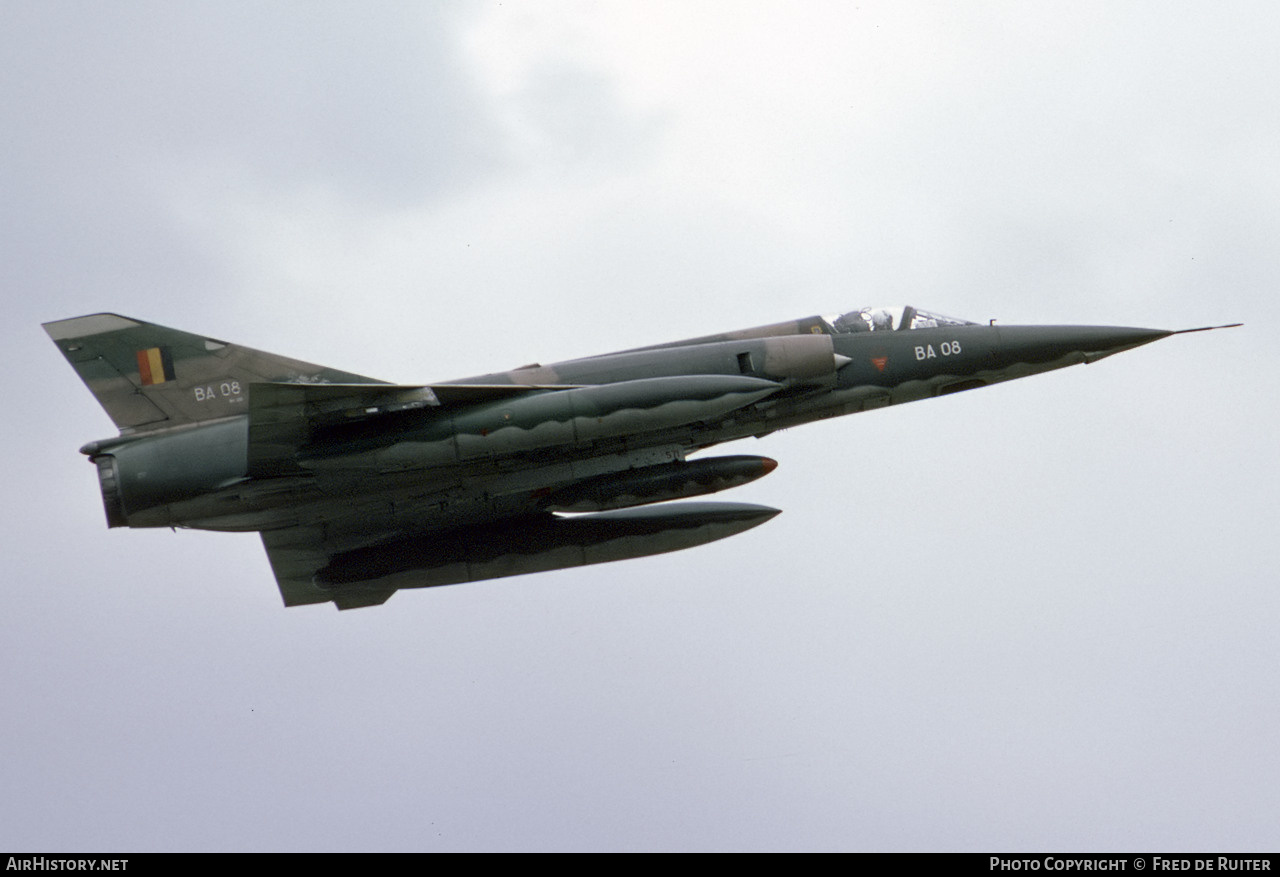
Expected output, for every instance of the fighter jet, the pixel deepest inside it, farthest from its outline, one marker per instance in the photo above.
(360, 487)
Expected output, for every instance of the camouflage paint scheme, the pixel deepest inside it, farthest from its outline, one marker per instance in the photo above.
(360, 487)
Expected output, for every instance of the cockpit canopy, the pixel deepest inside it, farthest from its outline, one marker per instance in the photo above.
(891, 319)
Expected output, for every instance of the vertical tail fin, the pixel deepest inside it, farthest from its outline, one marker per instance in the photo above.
(148, 377)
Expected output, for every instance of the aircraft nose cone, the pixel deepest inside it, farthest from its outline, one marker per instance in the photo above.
(1035, 345)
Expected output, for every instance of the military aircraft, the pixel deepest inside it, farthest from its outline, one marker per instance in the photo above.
(360, 487)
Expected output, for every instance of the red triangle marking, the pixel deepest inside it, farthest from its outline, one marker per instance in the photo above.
(880, 362)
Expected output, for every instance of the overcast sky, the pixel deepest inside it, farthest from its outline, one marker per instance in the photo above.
(1038, 617)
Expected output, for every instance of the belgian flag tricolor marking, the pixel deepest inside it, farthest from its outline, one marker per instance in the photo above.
(155, 365)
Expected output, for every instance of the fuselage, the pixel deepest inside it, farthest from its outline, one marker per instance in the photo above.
(624, 414)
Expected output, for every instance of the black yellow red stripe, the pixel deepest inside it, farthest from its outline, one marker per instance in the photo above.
(155, 366)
